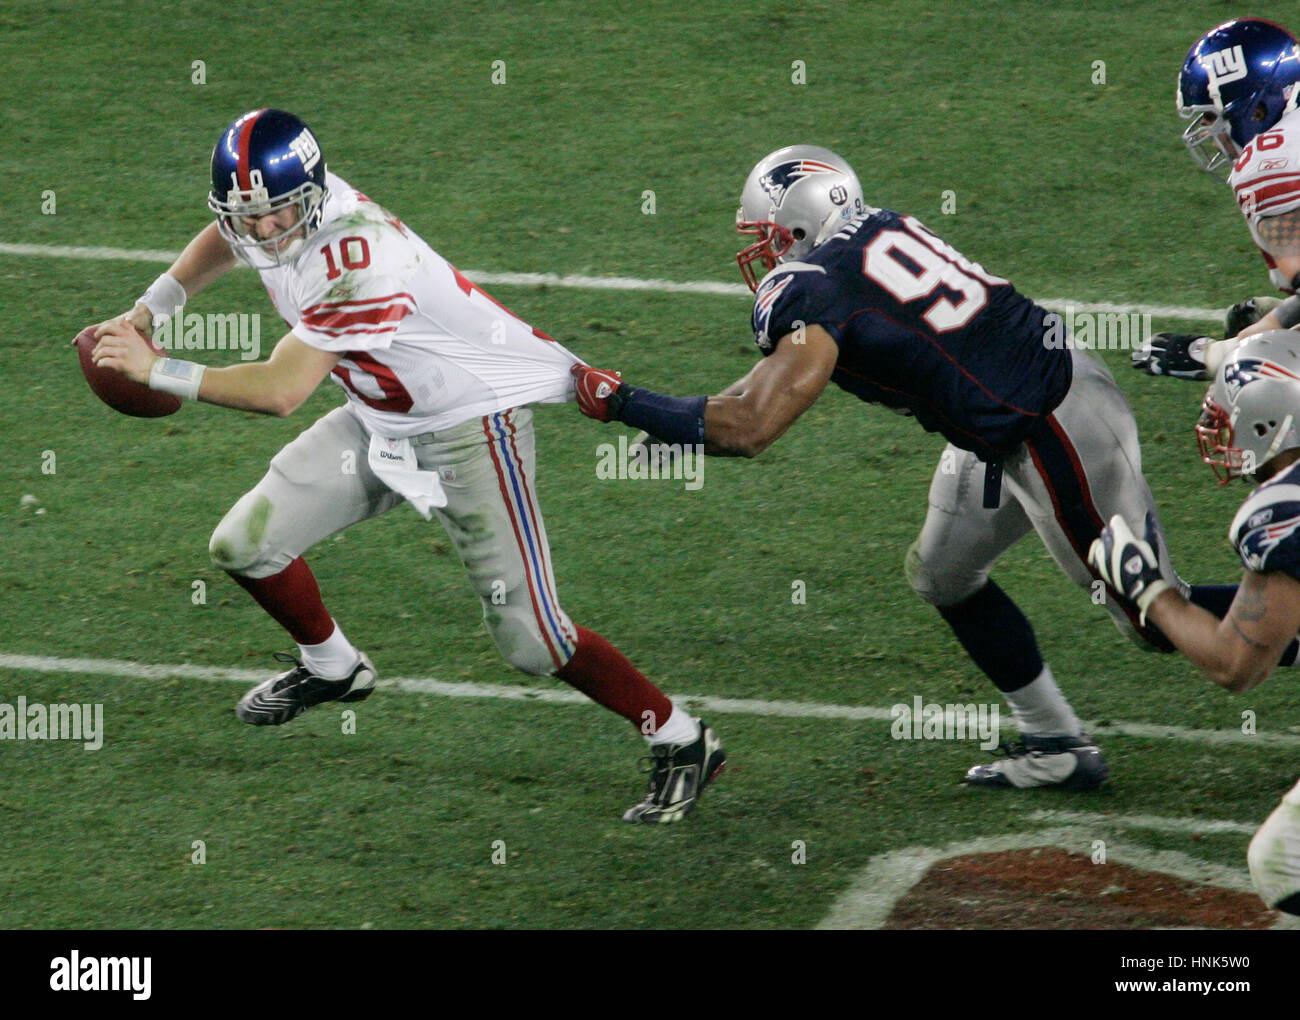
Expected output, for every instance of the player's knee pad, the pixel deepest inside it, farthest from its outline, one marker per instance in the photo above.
(937, 585)
(1274, 855)
(517, 638)
(238, 545)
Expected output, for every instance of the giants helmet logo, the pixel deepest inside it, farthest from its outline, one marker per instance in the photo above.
(1222, 67)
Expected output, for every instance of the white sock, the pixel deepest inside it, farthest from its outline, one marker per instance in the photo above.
(333, 659)
(679, 729)
(1040, 708)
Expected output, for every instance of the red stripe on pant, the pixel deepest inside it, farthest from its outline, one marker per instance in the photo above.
(1080, 539)
(535, 514)
(504, 485)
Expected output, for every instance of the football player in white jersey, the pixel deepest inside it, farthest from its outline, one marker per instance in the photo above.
(1240, 88)
(1249, 428)
(438, 377)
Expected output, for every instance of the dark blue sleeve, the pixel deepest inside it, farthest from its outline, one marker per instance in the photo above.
(793, 297)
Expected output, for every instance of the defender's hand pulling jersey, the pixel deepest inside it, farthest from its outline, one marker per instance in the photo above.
(423, 348)
(1266, 182)
(923, 330)
(1266, 530)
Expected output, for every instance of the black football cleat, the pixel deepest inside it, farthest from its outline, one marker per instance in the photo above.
(1066, 763)
(678, 775)
(288, 695)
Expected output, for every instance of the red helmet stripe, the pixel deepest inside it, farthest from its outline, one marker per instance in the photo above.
(245, 136)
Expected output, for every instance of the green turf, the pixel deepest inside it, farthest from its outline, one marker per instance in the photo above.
(1070, 189)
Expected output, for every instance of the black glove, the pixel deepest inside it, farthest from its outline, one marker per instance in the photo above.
(1181, 355)
(1247, 313)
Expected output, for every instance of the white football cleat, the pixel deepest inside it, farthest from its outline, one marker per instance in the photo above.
(1067, 763)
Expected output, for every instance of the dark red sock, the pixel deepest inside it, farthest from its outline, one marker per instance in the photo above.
(603, 674)
(292, 597)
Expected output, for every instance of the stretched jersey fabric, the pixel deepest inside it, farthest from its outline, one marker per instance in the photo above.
(1266, 182)
(423, 348)
(922, 330)
(1266, 530)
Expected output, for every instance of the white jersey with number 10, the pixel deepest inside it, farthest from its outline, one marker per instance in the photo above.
(423, 348)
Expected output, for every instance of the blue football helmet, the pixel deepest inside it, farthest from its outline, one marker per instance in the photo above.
(266, 161)
(1237, 81)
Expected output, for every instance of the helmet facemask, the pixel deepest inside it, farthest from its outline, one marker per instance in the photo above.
(1208, 139)
(793, 200)
(773, 244)
(1215, 437)
(241, 205)
(1249, 413)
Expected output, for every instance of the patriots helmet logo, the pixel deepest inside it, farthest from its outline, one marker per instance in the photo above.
(777, 181)
(1241, 371)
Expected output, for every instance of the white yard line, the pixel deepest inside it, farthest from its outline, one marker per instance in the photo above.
(705, 703)
(619, 283)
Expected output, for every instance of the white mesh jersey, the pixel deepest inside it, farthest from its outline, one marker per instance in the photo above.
(1266, 182)
(423, 348)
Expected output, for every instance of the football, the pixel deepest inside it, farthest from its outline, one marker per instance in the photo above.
(119, 392)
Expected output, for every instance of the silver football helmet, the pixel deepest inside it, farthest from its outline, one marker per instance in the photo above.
(1250, 412)
(794, 199)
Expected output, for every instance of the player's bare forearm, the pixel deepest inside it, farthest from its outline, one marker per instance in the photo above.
(742, 421)
(754, 412)
(277, 386)
(1239, 651)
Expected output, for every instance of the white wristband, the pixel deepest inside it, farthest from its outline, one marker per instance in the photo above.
(1148, 596)
(177, 377)
(164, 298)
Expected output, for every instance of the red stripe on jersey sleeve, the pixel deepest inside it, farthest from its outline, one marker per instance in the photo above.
(324, 318)
(335, 305)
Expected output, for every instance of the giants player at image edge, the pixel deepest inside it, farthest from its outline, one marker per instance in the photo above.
(1239, 89)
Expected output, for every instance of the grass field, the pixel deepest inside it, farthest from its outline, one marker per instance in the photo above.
(1072, 189)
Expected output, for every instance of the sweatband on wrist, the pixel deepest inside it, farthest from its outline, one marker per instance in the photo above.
(1148, 596)
(164, 298)
(177, 377)
(673, 420)
(1288, 312)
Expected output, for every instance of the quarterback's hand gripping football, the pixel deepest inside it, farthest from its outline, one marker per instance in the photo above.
(123, 349)
(597, 389)
(1181, 355)
(1129, 564)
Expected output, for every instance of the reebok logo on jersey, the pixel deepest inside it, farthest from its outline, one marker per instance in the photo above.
(1272, 164)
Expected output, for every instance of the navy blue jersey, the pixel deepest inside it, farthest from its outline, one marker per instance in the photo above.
(1266, 530)
(923, 330)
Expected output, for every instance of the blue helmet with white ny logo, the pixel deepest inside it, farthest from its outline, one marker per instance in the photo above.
(1238, 80)
(266, 161)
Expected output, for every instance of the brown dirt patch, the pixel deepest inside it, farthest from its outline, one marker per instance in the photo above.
(1048, 888)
